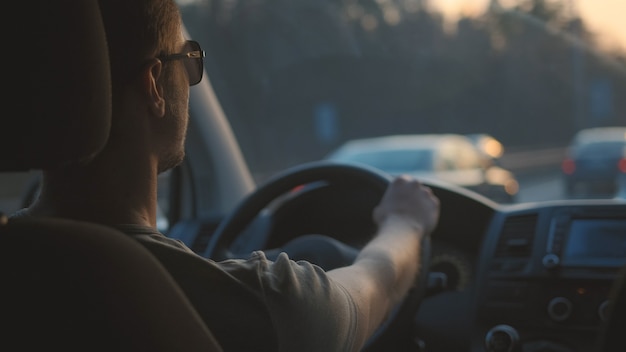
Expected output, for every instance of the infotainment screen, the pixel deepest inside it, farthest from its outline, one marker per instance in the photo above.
(595, 243)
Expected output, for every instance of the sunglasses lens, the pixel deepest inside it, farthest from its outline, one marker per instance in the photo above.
(194, 66)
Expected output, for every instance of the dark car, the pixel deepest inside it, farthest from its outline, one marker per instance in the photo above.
(595, 162)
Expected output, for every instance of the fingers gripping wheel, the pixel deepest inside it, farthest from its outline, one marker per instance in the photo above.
(399, 326)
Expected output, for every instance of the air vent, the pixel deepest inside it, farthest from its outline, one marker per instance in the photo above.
(516, 239)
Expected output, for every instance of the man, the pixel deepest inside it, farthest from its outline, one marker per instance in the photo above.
(252, 304)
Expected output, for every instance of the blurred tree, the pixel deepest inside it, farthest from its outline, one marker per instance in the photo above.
(520, 73)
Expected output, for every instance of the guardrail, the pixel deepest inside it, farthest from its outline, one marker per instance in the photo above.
(532, 160)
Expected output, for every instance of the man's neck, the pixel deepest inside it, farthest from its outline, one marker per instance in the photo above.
(125, 193)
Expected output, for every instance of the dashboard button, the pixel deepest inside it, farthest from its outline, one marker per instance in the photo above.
(603, 310)
(551, 261)
(560, 309)
(502, 338)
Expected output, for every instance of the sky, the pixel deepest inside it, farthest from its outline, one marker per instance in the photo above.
(605, 17)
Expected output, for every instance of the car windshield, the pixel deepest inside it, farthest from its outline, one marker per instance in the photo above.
(393, 161)
(604, 149)
(298, 78)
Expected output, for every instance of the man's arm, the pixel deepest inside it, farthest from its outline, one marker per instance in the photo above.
(387, 266)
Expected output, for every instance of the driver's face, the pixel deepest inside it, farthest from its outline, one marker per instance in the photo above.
(176, 93)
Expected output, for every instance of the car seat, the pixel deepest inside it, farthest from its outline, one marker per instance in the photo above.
(69, 285)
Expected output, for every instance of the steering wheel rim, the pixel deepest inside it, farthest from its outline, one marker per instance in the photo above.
(251, 206)
(399, 323)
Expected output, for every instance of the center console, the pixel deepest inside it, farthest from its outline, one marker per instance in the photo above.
(545, 277)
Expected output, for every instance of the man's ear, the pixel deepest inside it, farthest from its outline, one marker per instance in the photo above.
(153, 90)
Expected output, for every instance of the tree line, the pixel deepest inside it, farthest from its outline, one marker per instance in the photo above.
(298, 77)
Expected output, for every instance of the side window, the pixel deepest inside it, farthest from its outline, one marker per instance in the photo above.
(18, 190)
(174, 200)
(164, 201)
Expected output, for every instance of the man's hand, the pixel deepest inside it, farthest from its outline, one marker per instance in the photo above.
(407, 199)
(387, 266)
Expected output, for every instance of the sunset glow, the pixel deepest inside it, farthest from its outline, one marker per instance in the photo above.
(607, 18)
(603, 17)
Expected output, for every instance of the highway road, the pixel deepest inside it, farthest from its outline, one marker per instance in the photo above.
(538, 173)
(543, 186)
(548, 186)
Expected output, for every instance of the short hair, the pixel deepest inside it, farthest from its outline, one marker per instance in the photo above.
(136, 31)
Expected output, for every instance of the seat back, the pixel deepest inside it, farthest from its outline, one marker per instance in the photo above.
(69, 285)
(74, 286)
(58, 106)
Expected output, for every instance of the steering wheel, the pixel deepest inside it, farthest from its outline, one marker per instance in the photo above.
(399, 324)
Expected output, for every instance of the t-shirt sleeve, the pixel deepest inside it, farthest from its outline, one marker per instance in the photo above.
(310, 311)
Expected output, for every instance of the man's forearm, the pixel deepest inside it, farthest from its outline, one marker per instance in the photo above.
(383, 272)
(394, 256)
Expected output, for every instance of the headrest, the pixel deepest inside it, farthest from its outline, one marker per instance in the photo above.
(59, 83)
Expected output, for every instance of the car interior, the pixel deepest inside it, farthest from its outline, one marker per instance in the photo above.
(69, 285)
(500, 278)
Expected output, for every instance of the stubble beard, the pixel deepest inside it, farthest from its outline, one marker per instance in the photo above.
(173, 154)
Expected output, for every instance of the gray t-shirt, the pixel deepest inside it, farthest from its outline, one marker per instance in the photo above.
(257, 304)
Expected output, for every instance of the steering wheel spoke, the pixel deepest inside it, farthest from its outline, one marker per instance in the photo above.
(320, 249)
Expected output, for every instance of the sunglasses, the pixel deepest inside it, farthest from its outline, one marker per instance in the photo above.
(192, 57)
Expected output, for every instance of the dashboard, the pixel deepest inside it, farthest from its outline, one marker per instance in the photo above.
(545, 273)
(530, 277)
